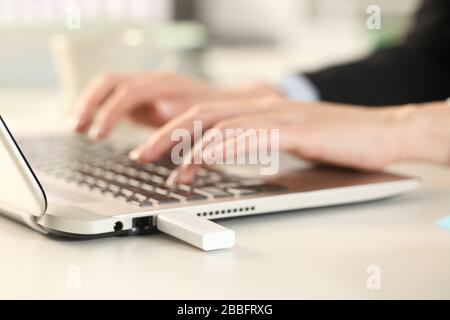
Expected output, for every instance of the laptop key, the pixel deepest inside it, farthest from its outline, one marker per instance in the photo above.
(160, 170)
(251, 183)
(177, 196)
(113, 188)
(109, 194)
(147, 187)
(215, 192)
(146, 204)
(184, 187)
(103, 168)
(134, 182)
(193, 196)
(162, 199)
(90, 180)
(157, 179)
(242, 191)
(101, 184)
(121, 197)
(161, 191)
(128, 193)
(140, 197)
(224, 185)
(188, 195)
(135, 201)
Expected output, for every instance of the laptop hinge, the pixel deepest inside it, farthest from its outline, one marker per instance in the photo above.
(26, 219)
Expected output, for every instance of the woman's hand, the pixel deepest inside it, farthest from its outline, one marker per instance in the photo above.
(349, 136)
(150, 98)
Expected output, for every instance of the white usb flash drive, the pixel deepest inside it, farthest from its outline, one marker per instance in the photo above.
(197, 231)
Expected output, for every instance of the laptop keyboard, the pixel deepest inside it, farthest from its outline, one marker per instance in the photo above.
(106, 169)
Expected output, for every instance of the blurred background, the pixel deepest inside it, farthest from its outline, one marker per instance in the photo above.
(58, 45)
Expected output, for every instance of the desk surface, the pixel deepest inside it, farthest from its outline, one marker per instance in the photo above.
(320, 253)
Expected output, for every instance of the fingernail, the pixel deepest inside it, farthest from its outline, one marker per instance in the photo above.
(172, 178)
(75, 123)
(96, 133)
(134, 154)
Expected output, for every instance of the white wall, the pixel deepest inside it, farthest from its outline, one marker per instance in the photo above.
(317, 31)
(277, 20)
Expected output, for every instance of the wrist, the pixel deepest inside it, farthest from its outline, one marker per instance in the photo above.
(402, 121)
(423, 132)
(257, 90)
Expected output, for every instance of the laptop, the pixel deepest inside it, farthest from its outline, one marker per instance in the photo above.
(66, 186)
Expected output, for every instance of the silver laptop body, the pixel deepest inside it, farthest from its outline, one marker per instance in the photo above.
(91, 194)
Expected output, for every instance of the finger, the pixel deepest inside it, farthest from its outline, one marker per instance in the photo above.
(240, 140)
(117, 104)
(206, 115)
(129, 95)
(192, 161)
(92, 98)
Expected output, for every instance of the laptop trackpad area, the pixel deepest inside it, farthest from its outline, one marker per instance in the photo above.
(61, 194)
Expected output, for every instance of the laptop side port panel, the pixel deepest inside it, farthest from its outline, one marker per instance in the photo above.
(143, 225)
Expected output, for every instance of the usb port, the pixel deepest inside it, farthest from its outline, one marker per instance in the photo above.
(143, 224)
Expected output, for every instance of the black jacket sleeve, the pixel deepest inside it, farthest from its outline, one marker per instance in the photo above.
(416, 71)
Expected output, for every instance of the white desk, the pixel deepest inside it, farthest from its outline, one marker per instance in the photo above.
(321, 253)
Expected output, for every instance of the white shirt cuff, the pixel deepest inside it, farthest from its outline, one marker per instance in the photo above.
(298, 88)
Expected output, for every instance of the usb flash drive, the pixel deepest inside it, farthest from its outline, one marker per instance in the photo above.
(197, 231)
